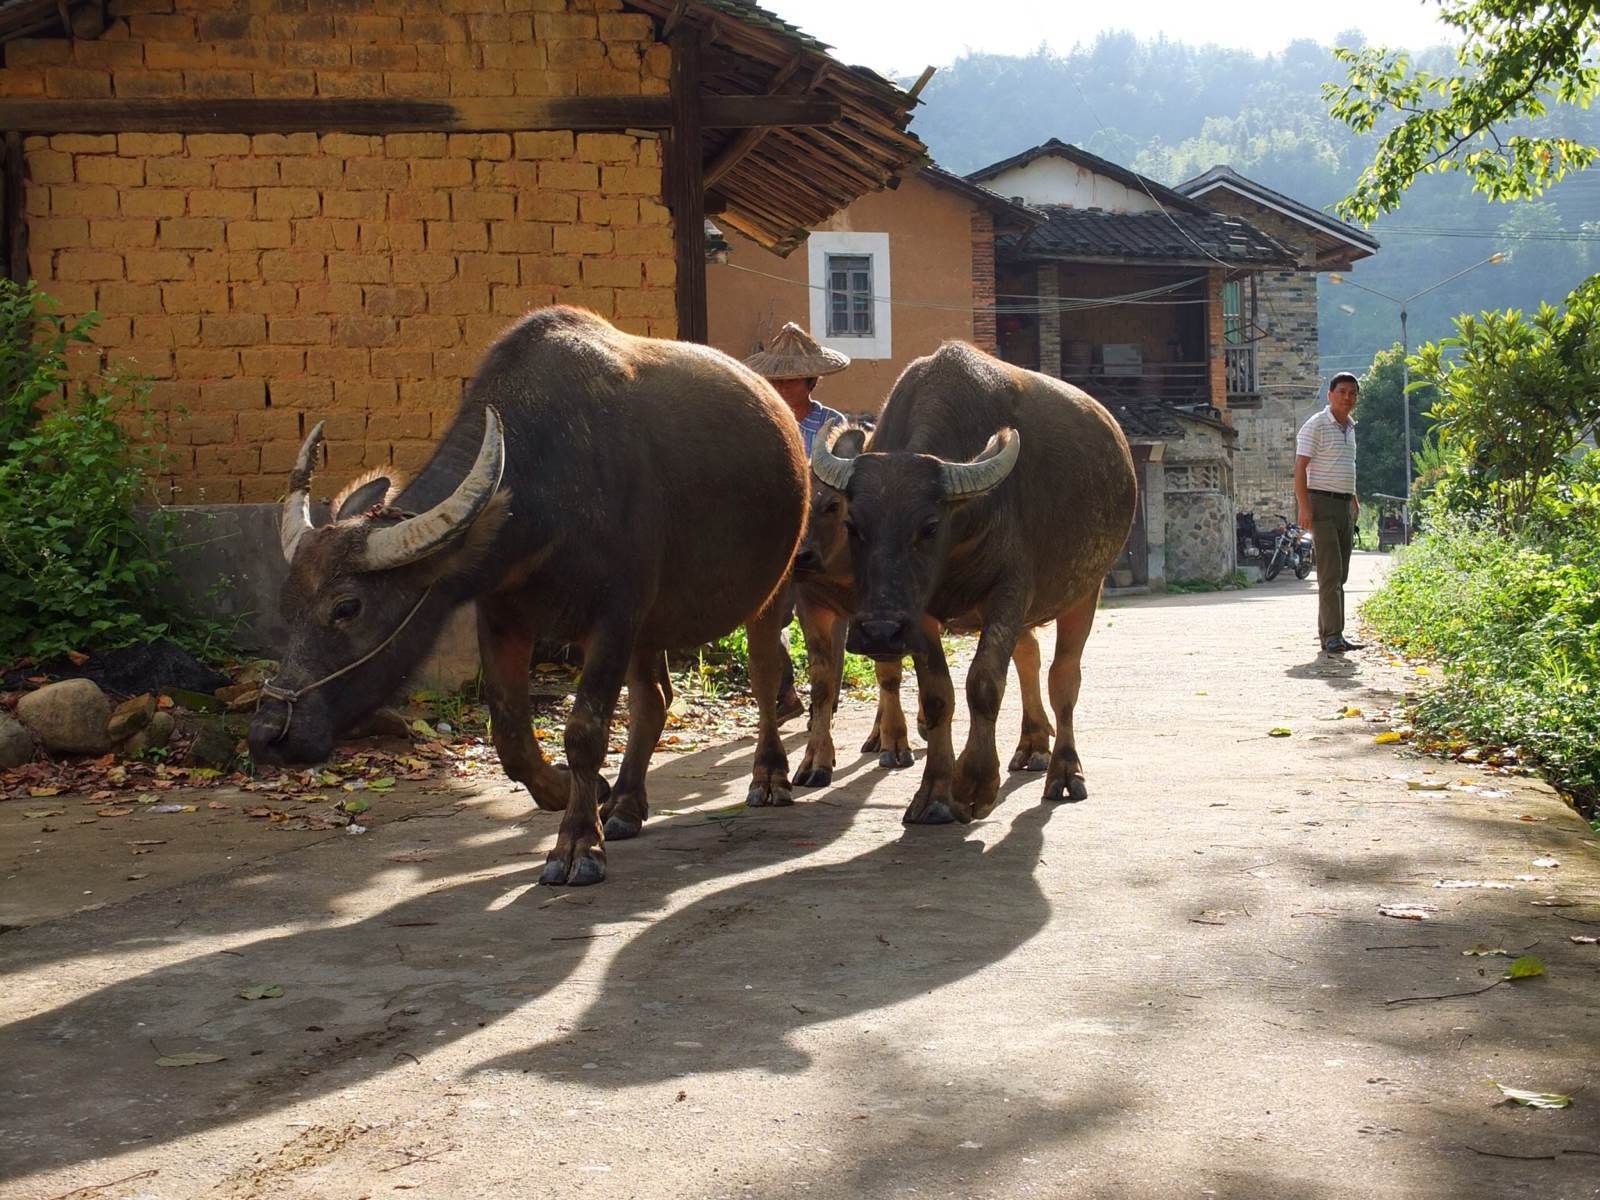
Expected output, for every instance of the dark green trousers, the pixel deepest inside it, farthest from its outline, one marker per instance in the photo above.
(1333, 535)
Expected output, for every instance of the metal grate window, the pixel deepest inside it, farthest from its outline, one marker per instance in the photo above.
(850, 295)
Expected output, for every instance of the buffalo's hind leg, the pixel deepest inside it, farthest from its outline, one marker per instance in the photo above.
(579, 856)
(1065, 780)
(506, 647)
(769, 778)
(1033, 748)
(889, 739)
(649, 695)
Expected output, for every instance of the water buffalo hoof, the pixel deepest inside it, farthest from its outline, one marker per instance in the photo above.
(895, 759)
(620, 828)
(872, 745)
(585, 871)
(1026, 760)
(773, 795)
(813, 777)
(934, 812)
(1073, 791)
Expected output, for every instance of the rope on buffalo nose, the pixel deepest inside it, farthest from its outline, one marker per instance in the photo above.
(272, 691)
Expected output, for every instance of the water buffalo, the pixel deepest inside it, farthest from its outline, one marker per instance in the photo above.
(824, 602)
(989, 494)
(583, 492)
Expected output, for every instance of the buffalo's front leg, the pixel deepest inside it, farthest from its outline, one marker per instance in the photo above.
(935, 803)
(1065, 780)
(977, 776)
(1033, 748)
(769, 779)
(505, 645)
(579, 856)
(825, 666)
(649, 695)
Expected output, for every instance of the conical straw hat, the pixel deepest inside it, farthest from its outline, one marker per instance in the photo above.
(794, 354)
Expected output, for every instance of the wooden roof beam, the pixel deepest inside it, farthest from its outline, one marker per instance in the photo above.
(746, 141)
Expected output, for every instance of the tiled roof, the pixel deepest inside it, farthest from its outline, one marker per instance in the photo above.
(1174, 236)
(1225, 176)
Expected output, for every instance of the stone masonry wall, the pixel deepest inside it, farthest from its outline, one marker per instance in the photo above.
(1286, 367)
(264, 283)
(1198, 504)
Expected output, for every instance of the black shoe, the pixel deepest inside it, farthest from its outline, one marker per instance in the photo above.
(1334, 645)
(1349, 645)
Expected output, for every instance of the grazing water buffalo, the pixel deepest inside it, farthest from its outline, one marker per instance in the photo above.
(623, 493)
(993, 496)
(824, 602)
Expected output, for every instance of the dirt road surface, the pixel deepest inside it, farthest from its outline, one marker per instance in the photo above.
(1181, 987)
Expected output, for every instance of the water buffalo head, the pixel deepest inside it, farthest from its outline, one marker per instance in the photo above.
(824, 549)
(365, 597)
(897, 522)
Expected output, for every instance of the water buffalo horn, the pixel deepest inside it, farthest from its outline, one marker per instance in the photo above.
(984, 472)
(825, 465)
(296, 519)
(419, 536)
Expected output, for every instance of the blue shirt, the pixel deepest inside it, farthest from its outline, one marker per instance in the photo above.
(811, 424)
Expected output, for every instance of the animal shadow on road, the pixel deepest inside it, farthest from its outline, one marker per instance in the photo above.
(381, 993)
(735, 973)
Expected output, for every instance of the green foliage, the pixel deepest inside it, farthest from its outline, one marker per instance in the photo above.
(1515, 397)
(728, 658)
(79, 568)
(1380, 466)
(1516, 58)
(1515, 620)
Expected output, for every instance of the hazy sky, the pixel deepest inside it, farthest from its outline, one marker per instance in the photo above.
(905, 35)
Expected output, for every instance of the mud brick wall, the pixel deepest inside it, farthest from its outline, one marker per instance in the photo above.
(266, 282)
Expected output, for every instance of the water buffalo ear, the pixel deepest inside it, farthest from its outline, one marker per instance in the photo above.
(850, 443)
(361, 494)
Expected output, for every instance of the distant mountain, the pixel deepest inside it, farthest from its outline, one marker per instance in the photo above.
(1171, 110)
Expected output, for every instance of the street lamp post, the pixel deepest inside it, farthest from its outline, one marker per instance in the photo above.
(1405, 343)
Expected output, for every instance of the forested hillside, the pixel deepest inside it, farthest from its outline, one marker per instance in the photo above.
(1172, 110)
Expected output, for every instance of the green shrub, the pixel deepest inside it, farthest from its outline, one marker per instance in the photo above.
(1514, 619)
(79, 568)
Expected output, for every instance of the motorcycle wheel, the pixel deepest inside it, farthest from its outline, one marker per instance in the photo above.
(1302, 568)
(1275, 565)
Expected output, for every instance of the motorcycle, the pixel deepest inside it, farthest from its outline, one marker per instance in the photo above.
(1292, 547)
(1253, 544)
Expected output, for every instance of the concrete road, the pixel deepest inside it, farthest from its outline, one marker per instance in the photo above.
(1177, 988)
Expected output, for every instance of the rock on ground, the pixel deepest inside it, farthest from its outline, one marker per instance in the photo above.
(16, 743)
(153, 736)
(69, 717)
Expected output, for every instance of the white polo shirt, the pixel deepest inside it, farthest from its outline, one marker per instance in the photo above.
(1331, 447)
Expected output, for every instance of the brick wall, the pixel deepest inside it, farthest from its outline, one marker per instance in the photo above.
(983, 318)
(264, 283)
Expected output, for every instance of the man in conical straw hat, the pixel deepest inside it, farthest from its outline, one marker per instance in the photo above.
(792, 363)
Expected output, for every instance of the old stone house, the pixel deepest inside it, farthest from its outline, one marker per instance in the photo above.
(287, 211)
(884, 280)
(1123, 289)
(1270, 335)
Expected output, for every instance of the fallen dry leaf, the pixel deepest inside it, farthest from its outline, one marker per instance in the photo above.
(1407, 912)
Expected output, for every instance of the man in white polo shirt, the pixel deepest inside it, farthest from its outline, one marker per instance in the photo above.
(1325, 491)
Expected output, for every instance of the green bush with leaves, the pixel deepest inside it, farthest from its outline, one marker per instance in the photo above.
(1514, 618)
(1516, 396)
(79, 567)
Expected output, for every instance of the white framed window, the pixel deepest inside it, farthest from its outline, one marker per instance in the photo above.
(850, 290)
